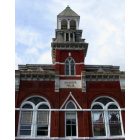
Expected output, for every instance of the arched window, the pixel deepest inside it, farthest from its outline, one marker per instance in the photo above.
(73, 24)
(70, 120)
(26, 119)
(34, 117)
(64, 24)
(69, 66)
(106, 118)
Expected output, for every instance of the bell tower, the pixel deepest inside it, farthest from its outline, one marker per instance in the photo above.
(68, 47)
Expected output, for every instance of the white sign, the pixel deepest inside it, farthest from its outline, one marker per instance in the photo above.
(70, 84)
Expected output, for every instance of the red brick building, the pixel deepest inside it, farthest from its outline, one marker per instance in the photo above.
(69, 99)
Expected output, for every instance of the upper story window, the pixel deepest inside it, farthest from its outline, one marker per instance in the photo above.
(106, 118)
(34, 118)
(69, 66)
(71, 120)
(64, 24)
(73, 24)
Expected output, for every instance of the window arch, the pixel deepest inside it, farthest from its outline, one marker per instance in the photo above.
(71, 120)
(73, 24)
(34, 117)
(106, 117)
(64, 24)
(69, 66)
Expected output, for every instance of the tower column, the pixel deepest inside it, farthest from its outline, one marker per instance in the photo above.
(77, 25)
(64, 36)
(73, 37)
(68, 21)
(59, 24)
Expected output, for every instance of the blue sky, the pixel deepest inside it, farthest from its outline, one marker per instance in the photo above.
(102, 22)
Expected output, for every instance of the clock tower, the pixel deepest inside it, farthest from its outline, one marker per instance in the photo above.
(68, 50)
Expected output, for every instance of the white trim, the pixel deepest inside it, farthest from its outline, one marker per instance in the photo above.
(62, 63)
(78, 138)
(77, 47)
(103, 122)
(27, 102)
(112, 103)
(22, 109)
(106, 119)
(121, 109)
(45, 103)
(97, 103)
(107, 97)
(70, 95)
(69, 102)
(72, 137)
(34, 117)
(35, 96)
(69, 75)
(70, 59)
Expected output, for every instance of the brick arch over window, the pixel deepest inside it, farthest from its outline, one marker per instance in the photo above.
(69, 66)
(106, 118)
(34, 120)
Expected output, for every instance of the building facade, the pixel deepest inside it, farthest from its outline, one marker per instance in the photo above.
(69, 99)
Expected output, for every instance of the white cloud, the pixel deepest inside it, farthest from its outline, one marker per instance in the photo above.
(45, 58)
(18, 61)
(102, 23)
(30, 38)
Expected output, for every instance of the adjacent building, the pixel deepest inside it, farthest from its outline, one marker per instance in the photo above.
(69, 99)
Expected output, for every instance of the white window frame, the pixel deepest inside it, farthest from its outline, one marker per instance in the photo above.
(69, 66)
(98, 103)
(21, 109)
(34, 118)
(68, 110)
(106, 110)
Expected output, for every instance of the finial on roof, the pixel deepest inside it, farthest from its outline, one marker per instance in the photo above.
(68, 6)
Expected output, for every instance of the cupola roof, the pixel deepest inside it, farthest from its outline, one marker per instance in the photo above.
(68, 12)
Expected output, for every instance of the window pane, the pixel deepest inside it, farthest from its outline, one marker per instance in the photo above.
(99, 130)
(25, 132)
(98, 123)
(114, 116)
(36, 100)
(70, 123)
(72, 67)
(70, 105)
(115, 129)
(27, 106)
(67, 68)
(26, 117)
(72, 70)
(98, 117)
(42, 130)
(71, 115)
(114, 123)
(43, 106)
(112, 107)
(42, 123)
(25, 129)
(73, 121)
(68, 130)
(104, 100)
(73, 130)
(42, 117)
(97, 107)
